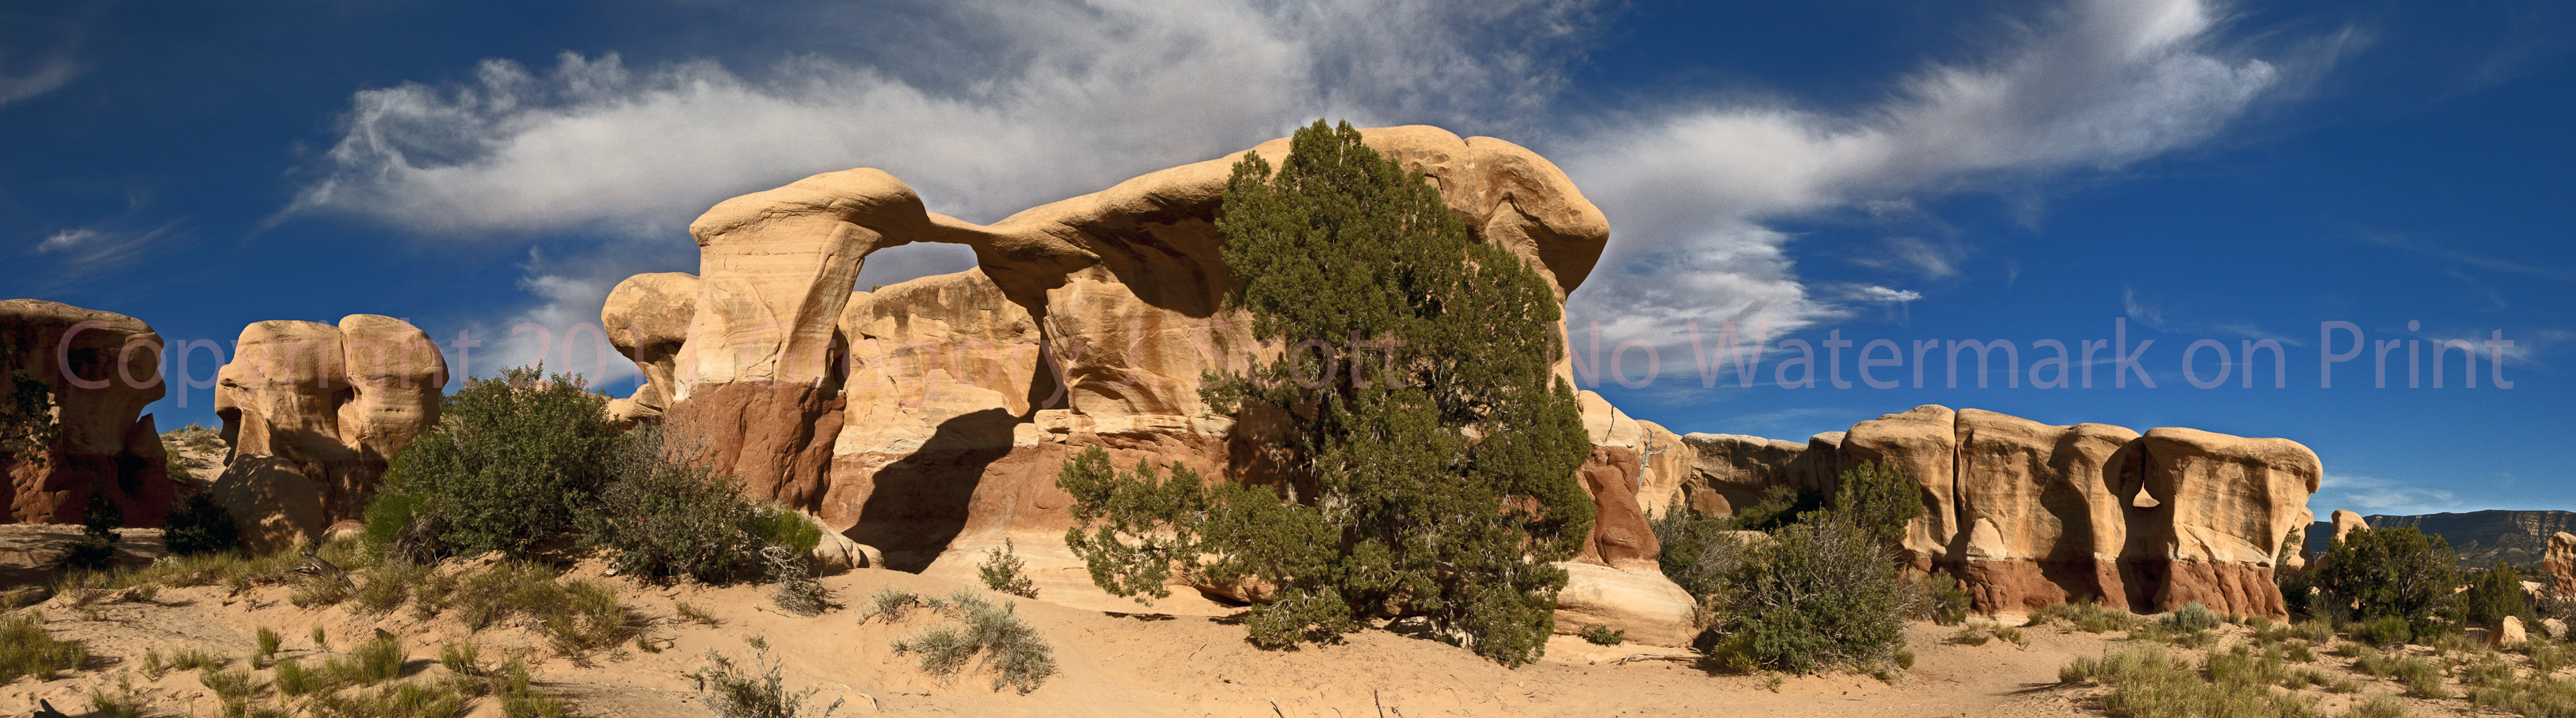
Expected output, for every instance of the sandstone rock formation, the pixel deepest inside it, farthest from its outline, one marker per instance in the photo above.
(2030, 514)
(313, 412)
(927, 419)
(98, 370)
(2346, 522)
(2560, 564)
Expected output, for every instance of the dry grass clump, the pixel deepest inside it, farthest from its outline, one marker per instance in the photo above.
(577, 615)
(1018, 657)
(1978, 634)
(120, 704)
(2085, 615)
(2148, 682)
(732, 692)
(27, 649)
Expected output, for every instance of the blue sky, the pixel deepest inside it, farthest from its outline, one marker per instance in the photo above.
(2020, 171)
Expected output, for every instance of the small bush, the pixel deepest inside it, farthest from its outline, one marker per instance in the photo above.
(1947, 602)
(1824, 594)
(200, 527)
(2421, 678)
(782, 527)
(890, 604)
(2192, 617)
(667, 516)
(2383, 631)
(2494, 595)
(26, 649)
(321, 640)
(1603, 635)
(1002, 570)
(732, 692)
(509, 465)
(1018, 657)
(385, 589)
(464, 659)
(96, 548)
(797, 590)
(1971, 636)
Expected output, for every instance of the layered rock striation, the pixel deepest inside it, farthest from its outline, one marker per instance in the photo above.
(97, 371)
(2029, 514)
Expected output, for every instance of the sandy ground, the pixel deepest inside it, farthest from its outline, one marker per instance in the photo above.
(1109, 664)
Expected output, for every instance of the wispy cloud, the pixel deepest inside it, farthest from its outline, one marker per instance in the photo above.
(2470, 259)
(2153, 316)
(2371, 495)
(78, 252)
(2098, 84)
(48, 74)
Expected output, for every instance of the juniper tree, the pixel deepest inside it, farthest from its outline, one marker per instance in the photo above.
(1429, 458)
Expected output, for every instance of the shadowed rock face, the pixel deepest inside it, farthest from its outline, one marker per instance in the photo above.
(928, 418)
(98, 382)
(314, 412)
(2029, 514)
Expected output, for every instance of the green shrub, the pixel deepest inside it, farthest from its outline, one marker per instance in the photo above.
(198, 526)
(2191, 617)
(26, 649)
(1779, 505)
(1440, 481)
(96, 547)
(1826, 594)
(890, 604)
(2383, 631)
(788, 529)
(2391, 571)
(732, 692)
(1946, 600)
(1018, 657)
(196, 658)
(2379, 706)
(229, 685)
(375, 661)
(268, 644)
(1698, 554)
(1603, 635)
(1002, 570)
(797, 590)
(2493, 595)
(509, 465)
(27, 425)
(666, 515)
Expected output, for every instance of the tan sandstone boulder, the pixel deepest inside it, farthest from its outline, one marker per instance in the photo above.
(1922, 445)
(2047, 522)
(2346, 522)
(647, 318)
(1729, 471)
(2224, 505)
(2509, 633)
(314, 413)
(98, 381)
(2559, 562)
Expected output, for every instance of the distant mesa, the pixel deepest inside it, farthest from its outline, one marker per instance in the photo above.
(2483, 539)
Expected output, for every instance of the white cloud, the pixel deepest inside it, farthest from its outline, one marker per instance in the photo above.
(1690, 189)
(66, 239)
(2369, 495)
(49, 74)
(1875, 294)
(1058, 99)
